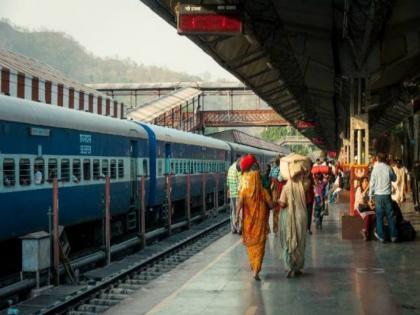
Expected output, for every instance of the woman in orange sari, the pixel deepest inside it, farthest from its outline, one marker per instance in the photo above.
(255, 203)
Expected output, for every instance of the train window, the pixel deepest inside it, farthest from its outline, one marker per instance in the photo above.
(52, 169)
(96, 170)
(8, 172)
(86, 169)
(39, 171)
(160, 168)
(113, 169)
(76, 171)
(176, 167)
(145, 168)
(195, 167)
(65, 170)
(188, 167)
(105, 168)
(120, 169)
(24, 172)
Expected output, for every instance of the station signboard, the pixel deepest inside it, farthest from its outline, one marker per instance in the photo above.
(197, 19)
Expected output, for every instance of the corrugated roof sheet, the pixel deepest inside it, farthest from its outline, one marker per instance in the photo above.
(149, 111)
(240, 137)
(201, 85)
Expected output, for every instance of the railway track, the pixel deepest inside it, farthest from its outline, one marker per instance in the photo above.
(105, 287)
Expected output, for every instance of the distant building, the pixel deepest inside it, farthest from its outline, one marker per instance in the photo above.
(27, 78)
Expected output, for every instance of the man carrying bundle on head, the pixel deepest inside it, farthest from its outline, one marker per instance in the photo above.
(293, 216)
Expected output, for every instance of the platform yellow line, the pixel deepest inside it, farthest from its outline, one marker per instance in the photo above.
(169, 298)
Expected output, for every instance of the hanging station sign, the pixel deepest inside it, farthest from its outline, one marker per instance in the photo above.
(195, 19)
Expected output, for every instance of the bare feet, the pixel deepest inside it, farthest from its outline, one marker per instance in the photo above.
(257, 277)
(289, 274)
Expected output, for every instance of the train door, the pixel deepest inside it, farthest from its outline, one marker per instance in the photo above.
(168, 156)
(133, 167)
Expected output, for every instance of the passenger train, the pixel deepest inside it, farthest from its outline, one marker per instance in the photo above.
(39, 142)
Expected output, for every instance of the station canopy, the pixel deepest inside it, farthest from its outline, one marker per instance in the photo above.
(301, 58)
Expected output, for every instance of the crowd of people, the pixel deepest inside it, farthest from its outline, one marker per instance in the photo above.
(299, 192)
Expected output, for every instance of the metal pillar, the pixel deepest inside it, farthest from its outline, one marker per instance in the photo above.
(142, 212)
(107, 218)
(188, 200)
(56, 234)
(169, 201)
(203, 191)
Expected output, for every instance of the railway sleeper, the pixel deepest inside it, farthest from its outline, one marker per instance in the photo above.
(81, 313)
(129, 286)
(92, 308)
(105, 302)
(113, 296)
(126, 292)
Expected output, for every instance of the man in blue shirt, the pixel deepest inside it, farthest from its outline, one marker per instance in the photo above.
(381, 188)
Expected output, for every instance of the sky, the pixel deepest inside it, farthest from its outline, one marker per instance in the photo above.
(116, 28)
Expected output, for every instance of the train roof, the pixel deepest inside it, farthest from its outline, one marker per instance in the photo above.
(40, 114)
(245, 149)
(178, 136)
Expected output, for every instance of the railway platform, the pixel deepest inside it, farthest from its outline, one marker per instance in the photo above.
(340, 277)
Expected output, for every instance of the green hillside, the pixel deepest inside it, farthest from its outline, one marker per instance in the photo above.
(65, 54)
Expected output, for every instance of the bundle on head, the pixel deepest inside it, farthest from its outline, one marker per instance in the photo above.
(293, 165)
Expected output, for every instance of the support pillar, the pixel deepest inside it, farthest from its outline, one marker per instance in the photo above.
(56, 234)
(107, 220)
(359, 121)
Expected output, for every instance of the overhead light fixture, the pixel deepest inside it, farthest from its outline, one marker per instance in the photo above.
(269, 65)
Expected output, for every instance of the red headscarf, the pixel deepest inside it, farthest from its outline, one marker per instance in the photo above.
(247, 161)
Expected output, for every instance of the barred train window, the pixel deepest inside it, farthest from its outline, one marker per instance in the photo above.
(145, 167)
(96, 170)
(113, 169)
(86, 169)
(39, 171)
(120, 169)
(176, 168)
(105, 169)
(24, 172)
(65, 170)
(160, 167)
(8, 172)
(52, 169)
(76, 171)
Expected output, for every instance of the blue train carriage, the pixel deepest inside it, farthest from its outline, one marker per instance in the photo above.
(181, 153)
(39, 142)
(239, 150)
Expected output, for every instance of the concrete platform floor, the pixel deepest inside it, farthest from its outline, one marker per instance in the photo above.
(340, 277)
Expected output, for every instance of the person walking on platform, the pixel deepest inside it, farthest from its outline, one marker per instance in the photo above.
(254, 203)
(380, 189)
(398, 186)
(276, 187)
(233, 178)
(310, 197)
(293, 216)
